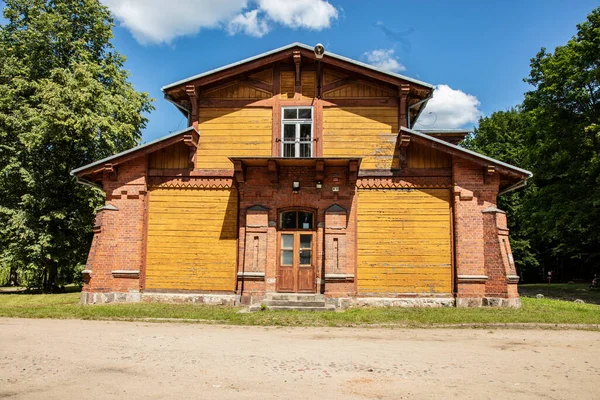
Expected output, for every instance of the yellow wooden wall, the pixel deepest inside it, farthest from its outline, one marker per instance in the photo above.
(230, 132)
(368, 132)
(404, 241)
(191, 239)
(422, 156)
(172, 157)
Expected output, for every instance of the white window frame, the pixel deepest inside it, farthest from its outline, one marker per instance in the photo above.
(298, 122)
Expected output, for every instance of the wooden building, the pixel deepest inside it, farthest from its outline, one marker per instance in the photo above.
(302, 174)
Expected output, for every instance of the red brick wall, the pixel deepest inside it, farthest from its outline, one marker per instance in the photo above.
(118, 243)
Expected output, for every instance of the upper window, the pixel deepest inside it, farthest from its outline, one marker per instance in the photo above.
(297, 132)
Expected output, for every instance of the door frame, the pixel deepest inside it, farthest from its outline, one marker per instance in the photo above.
(296, 258)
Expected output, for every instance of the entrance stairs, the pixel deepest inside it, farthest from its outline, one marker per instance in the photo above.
(293, 301)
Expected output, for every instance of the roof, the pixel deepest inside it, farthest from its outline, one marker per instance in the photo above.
(132, 150)
(290, 46)
(471, 153)
(434, 131)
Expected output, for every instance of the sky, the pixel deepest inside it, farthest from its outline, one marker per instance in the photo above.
(475, 52)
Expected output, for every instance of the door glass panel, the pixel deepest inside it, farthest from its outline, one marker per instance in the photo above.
(288, 220)
(306, 241)
(287, 241)
(305, 257)
(289, 132)
(305, 220)
(290, 113)
(304, 113)
(287, 257)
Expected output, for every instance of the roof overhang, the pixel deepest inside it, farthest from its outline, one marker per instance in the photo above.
(189, 135)
(514, 173)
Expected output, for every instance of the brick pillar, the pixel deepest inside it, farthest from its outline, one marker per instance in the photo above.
(472, 194)
(339, 252)
(253, 254)
(116, 258)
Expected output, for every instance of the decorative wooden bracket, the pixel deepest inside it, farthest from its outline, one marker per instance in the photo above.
(273, 169)
(320, 170)
(191, 92)
(488, 171)
(403, 142)
(352, 171)
(403, 91)
(111, 171)
(192, 142)
(297, 59)
(239, 170)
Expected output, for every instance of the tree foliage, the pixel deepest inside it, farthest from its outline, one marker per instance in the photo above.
(65, 100)
(555, 133)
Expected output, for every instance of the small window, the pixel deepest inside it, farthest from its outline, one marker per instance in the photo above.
(296, 220)
(297, 132)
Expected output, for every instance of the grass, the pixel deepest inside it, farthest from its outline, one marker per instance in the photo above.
(562, 291)
(65, 306)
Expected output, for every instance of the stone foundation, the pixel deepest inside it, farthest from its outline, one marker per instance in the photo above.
(109, 297)
(191, 298)
(488, 302)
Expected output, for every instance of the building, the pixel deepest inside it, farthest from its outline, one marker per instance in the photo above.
(300, 173)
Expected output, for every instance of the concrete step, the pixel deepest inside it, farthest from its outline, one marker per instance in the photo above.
(294, 297)
(292, 308)
(277, 303)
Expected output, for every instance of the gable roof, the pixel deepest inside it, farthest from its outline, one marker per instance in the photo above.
(288, 47)
(131, 153)
(469, 154)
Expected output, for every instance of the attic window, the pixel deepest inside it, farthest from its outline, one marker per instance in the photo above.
(297, 132)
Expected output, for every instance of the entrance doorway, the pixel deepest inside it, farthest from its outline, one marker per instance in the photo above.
(296, 252)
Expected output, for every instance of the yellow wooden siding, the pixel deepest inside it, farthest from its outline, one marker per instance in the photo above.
(172, 157)
(309, 84)
(368, 132)
(191, 239)
(422, 156)
(265, 76)
(404, 241)
(287, 84)
(226, 132)
(357, 90)
(236, 91)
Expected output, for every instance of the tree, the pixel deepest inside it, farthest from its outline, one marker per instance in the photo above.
(563, 148)
(65, 100)
(502, 136)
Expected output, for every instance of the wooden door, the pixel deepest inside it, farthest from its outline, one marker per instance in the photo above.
(296, 266)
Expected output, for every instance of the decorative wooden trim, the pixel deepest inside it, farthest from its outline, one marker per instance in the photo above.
(234, 103)
(192, 94)
(401, 183)
(390, 101)
(239, 171)
(403, 142)
(297, 60)
(110, 171)
(406, 172)
(247, 81)
(276, 122)
(193, 183)
(402, 105)
(319, 170)
(338, 84)
(184, 172)
(352, 171)
(488, 171)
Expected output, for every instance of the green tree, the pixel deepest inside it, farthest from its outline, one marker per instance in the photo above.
(65, 100)
(502, 136)
(563, 149)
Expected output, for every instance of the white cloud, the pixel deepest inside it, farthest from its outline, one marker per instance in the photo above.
(248, 23)
(310, 14)
(385, 60)
(449, 108)
(160, 21)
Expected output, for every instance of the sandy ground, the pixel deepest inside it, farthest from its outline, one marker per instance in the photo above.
(54, 359)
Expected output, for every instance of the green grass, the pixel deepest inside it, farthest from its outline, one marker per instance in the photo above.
(562, 291)
(66, 306)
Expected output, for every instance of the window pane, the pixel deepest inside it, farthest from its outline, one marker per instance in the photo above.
(289, 132)
(290, 113)
(287, 257)
(305, 131)
(287, 242)
(289, 150)
(306, 241)
(305, 149)
(305, 113)
(305, 257)
(288, 220)
(305, 220)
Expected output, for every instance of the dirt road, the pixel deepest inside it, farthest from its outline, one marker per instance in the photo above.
(53, 359)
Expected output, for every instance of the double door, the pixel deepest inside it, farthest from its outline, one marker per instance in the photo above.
(296, 266)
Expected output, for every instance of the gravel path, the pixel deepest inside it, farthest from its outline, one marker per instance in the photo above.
(68, 359)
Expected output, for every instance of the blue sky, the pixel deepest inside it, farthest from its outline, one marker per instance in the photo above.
(480, 50)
